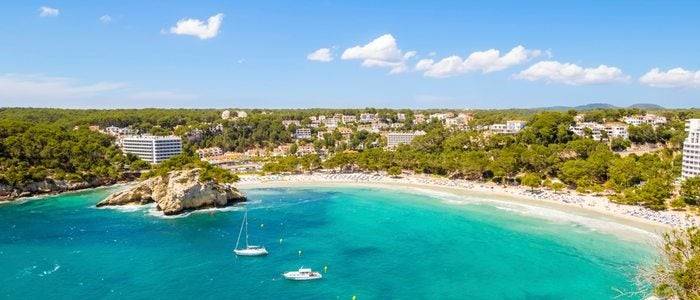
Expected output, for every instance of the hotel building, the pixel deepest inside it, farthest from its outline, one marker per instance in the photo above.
(691, 149)
(394, 139)
(302, 133)
(153, 149)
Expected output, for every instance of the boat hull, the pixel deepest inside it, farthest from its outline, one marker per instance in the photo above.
(250, 252)
(296, 277)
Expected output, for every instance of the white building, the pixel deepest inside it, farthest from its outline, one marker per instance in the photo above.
(331, 123)
(349, 119)
(379, 126)
(691, 149)
(153, 149)
(116, 131)
(306, 150)
(241, 114)
(645, 119)
(612, 130)
(515, 126)
(510, 127)
(442, 116)
(302, 133)
(595, 128)
(394, 139)
(367, 118)
(225, 114)
(616, 130)
(207, 152)
(461, 120)
(287, 123)
(418, 119)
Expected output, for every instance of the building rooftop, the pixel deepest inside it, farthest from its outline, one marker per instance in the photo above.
(152, 137)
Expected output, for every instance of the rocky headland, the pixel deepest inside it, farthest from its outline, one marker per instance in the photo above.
(47, 186)
(177, 192)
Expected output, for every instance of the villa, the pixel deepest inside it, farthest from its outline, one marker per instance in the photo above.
(645, 119)
(207, 152)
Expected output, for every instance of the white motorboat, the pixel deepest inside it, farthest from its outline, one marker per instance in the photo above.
(302, 274)
(249, 250)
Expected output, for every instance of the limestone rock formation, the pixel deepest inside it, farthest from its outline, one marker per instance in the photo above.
(178, 192)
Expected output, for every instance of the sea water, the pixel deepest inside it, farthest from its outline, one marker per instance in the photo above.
(368, 243)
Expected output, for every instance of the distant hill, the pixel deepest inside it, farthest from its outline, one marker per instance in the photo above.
(591, 106)
(594, 106)
(646, 106)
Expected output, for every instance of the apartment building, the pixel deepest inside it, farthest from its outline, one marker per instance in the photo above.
(397, 138)
(691, 149)
(153, 149)
(302, 133)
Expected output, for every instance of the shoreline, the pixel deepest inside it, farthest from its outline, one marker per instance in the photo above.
(47, 195)
(594, 207)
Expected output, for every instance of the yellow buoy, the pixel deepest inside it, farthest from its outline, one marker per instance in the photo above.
(325, 269)
(354, 297)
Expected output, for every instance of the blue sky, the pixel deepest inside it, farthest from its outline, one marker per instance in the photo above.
(414, 54)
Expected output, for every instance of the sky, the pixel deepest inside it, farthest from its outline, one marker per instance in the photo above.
(348, 54)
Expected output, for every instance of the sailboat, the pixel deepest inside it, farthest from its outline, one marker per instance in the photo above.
(249, 250)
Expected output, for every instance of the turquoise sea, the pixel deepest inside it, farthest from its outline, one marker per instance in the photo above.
(375, 243)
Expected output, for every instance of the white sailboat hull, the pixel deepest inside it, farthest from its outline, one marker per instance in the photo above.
(259, 251)
(249, 250)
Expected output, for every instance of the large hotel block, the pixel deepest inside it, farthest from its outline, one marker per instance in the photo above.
(397, 138)
(691, 149)
(153, 149)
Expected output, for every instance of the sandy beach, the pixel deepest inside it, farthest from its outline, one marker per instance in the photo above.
(574, 204)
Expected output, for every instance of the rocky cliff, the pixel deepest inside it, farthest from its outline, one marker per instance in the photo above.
(177, 192)
(48, 186)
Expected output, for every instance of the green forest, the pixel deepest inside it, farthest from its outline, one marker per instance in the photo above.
(36, 144)
(31, 152)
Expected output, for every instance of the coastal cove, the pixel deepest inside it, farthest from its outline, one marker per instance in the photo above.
(369, 237)
(575, 205)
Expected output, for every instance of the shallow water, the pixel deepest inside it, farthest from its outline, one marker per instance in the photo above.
(376, 244)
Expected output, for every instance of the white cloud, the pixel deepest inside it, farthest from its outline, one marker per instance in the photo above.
(567, 73)
(41, 90)
(198, 28)
(677, 77)
(485, 61)
(381, 52)
(46, 11)
(18, 87)
(106, 19)
(322, 55)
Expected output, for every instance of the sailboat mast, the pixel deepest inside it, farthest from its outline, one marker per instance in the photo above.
(241, 231)
(246, 229)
